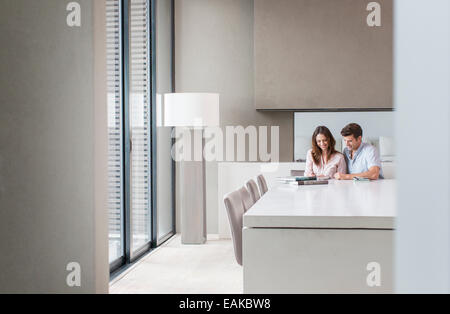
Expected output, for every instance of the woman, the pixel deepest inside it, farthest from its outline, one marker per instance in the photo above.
(323, 160)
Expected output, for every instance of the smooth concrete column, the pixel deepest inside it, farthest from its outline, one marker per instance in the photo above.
(52, 147)
(422, 101)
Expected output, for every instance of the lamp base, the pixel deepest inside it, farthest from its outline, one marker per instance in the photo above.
(193, 202)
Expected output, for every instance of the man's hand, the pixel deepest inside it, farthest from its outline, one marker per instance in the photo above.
(372, 174)
(340, 176)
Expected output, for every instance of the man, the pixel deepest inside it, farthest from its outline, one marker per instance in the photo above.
(362, 159)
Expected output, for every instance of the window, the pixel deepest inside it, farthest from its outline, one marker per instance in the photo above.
(139, 119)
(115, 130)
(130, 128)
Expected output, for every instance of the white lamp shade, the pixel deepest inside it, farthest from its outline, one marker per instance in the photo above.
(191, 110)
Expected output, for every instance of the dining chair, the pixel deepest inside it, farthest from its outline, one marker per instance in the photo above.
(235, 210)
(247, 199)
(253, 189)
(262, 185)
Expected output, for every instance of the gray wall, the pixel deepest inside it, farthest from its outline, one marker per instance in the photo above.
(422, 80)
(313, 54)
(214, 53)
(51, 193)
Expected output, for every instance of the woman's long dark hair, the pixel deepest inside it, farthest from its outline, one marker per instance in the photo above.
(316, 150)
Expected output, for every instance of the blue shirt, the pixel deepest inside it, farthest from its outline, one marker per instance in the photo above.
(365, 158)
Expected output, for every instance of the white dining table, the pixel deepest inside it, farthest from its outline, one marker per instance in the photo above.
(335, 238)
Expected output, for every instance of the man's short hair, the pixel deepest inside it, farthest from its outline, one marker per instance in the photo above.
(352, 129)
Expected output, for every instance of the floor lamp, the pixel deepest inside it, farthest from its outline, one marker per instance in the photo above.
(194, 112)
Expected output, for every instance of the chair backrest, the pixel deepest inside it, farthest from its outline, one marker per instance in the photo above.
(253, 189)
(247, 199)
(262, 185)
(235, 211)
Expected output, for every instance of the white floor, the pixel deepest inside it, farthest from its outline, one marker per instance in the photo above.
(184, 269)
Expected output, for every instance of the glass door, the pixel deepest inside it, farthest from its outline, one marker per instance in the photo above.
(140, 90)
(130, 121)
(115, 132)
(164, 84)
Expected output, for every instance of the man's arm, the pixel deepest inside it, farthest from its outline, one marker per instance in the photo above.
(372, 174)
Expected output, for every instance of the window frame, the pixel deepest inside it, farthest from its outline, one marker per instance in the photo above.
(130, 257)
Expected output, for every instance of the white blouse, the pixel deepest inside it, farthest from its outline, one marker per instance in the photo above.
(336, 164)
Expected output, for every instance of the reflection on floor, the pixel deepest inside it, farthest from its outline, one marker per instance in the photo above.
(192, 269)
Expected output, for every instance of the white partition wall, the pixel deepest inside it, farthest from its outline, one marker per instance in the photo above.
(422, 82)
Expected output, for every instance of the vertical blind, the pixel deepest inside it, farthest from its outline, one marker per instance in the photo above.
(139, 104)
(115, 132)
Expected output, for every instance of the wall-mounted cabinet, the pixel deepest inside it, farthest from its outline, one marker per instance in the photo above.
(315, 55)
